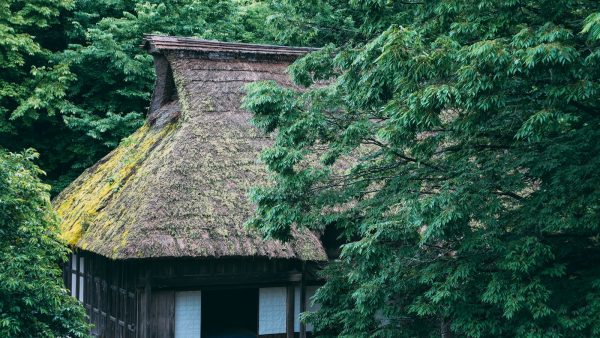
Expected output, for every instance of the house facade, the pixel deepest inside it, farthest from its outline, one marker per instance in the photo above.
(160, 249)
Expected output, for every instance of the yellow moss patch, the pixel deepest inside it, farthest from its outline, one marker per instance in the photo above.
(82, 203)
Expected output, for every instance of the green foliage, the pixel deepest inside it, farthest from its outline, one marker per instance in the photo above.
(314, 22)
(28, 81)
(457, 157)
(33, 301)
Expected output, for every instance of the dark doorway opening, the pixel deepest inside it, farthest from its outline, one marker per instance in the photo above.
(230, 313)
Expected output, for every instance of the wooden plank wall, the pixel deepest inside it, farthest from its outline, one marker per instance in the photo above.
(109, 295)
(162, 314)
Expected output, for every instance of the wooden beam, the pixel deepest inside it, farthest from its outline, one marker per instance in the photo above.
(302, 304)
(259, 279)
(289, 322)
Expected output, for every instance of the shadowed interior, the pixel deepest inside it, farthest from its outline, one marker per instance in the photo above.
(230, 313)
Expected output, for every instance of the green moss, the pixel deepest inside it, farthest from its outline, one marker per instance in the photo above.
(83, 202)
(194, 172)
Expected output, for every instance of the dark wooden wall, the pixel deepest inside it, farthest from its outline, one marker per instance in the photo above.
(162, 314)
(109, 297)
(136, 298)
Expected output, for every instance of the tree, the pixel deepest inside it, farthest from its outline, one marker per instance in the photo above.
(33, 300)
(23, 59)
(455, 150)
(32, 83)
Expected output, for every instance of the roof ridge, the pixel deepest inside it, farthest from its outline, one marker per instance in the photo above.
(160, 43)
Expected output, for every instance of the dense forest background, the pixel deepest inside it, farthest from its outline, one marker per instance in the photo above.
(468, 130)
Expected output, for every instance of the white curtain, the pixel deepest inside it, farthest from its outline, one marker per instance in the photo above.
(271, 310)
(188, 307)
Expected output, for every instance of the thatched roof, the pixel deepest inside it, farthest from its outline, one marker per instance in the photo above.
(178, 186)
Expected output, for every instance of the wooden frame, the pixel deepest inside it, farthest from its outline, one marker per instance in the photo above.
(289, 315)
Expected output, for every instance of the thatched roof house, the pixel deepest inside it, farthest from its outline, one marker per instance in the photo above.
(159, 220)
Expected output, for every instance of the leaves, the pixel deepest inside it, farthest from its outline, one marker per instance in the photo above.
(592, 26)
(29, 253)
(457, 147)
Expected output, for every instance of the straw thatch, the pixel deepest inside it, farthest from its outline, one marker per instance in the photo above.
(178, 186)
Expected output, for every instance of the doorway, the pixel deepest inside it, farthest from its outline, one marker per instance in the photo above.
(230, 313)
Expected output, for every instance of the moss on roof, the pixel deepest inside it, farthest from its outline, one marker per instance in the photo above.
(179, 188)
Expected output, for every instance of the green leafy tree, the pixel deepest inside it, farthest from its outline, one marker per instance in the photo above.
(314, 22)
(23, 60)
(455, 150)
(32, 83)
(33, 300)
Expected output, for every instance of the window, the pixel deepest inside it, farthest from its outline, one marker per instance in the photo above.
(271, 310)
(77, 276)
(74, 275)
(310, 306)
(310, 292)
(81, 273)
(188, 307)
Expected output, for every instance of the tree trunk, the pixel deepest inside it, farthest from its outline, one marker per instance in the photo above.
(445, 328)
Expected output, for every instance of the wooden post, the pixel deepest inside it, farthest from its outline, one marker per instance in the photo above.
(144, 315)
(289, 323)
(77, 269)
(302, 303)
